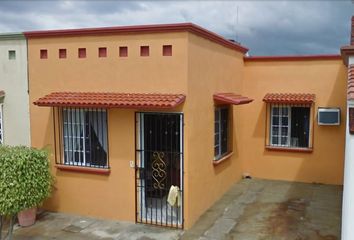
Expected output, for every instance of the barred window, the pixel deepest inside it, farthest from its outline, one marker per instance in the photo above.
(85, 137)
(221, 132)
(290, 126)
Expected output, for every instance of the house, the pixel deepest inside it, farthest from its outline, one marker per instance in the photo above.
(347, 53)
(14, 101)
(139, 115)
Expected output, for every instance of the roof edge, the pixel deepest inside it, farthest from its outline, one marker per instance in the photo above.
(12, 36)
(157, 28)
(346, 51)
(292, 58)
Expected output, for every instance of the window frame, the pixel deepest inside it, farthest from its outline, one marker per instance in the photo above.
(12, 54)
(84, 162)
(269, 125)
(222, 154)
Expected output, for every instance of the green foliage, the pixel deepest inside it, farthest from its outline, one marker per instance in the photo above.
(25, 178)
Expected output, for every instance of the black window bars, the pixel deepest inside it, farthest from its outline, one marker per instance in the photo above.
(81, 137)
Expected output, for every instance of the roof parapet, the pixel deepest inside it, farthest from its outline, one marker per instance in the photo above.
(140, 29)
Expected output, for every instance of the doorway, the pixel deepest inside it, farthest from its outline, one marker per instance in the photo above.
(159, 166)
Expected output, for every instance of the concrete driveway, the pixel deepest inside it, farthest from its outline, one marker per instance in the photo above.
(250, 210)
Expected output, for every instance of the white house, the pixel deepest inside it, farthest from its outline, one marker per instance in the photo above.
(14, 101)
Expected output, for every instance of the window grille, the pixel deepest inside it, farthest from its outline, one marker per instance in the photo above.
(289, 126)
(84, 137)
(221, 132)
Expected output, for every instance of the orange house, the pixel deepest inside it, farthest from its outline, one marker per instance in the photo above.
(154, 123)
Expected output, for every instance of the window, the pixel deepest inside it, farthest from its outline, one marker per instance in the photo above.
(12, 54)
(1, 126)
(123, 51)
(167, 50)
(44, 54)
(62, 53)
(85, 137)
(82, 52)
(144, 51)
(221, 145)
(290, 126)
(102, 52)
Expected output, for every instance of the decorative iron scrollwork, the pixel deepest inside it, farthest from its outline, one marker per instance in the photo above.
(158, 170)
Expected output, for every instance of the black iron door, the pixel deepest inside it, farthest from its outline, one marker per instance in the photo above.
(159, 161)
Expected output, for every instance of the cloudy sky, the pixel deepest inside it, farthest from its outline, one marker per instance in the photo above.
(266, 27)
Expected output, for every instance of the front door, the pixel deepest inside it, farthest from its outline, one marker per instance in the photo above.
(159, 172)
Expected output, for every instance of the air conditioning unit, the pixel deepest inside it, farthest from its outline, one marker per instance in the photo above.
(328, 116)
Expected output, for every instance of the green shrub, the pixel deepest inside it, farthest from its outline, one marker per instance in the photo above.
(25, 178)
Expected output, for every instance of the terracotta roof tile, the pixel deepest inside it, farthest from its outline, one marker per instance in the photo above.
(352, 32)
(350, 95)
(111, 100)
(292, 98)
(231, 98)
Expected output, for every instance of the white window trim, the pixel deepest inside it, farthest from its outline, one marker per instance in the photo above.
(280, 126)
(288, 144)
(218, 110)
(82, 126)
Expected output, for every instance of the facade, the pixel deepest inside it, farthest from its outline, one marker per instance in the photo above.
(14, 100)
(154, 123)
(348, 183)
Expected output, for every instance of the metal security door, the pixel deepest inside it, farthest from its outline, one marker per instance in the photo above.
(159, 161)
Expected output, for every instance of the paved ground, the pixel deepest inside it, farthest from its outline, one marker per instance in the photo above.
(251, 210)
(272, 210)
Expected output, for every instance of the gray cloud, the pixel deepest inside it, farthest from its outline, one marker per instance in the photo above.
(266, 27)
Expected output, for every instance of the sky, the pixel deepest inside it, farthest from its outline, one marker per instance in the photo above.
(293, 27)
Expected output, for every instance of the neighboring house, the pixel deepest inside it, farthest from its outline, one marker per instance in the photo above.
(348, 193)
(131, 111)
(14, 101)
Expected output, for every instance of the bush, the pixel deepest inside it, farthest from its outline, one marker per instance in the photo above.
(25, 178)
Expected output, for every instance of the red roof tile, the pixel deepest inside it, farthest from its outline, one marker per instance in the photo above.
(352, 32)
(111, 100)
(231, 98)
(293, 98)
(350, 95)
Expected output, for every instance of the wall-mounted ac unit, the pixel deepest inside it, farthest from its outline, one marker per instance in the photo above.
(328, 116)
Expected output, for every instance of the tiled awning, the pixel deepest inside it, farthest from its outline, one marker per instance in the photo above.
(292, 98)
(111, 100)
(231, 98)
(350, 95)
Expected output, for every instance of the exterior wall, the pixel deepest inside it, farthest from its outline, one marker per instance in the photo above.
(211, 69)
(348, 193)
(110, 196)
(198, 68)
(348, 184)
(13, 80)
(326, 79)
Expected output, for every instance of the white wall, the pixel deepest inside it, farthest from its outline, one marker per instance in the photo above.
(13, 80)
(348, 185)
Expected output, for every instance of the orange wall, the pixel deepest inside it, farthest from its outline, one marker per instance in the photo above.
(211, 69)
(110, 196)
(326, 79)
(198, 68)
